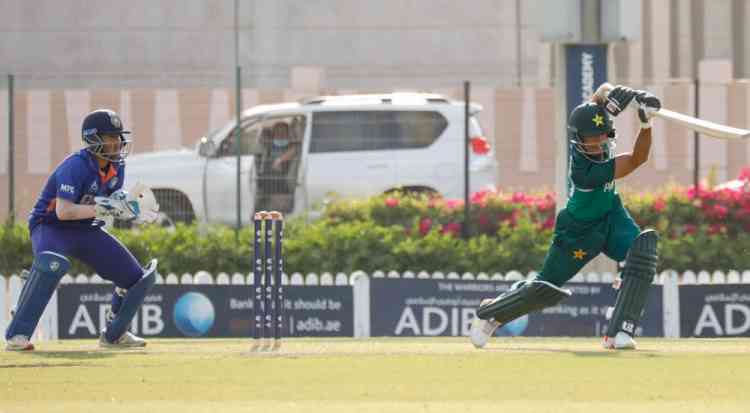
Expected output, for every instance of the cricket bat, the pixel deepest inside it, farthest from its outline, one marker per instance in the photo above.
(699, 125)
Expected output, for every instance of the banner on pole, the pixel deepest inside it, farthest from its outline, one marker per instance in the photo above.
(207, 311)
(418, 307)
(718, 310)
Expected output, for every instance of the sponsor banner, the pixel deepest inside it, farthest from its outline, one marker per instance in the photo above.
(206, 311)
(585, 70)
(717, 310)
(420, 307)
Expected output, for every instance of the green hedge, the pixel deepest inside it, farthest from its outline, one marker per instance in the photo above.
(700, 230)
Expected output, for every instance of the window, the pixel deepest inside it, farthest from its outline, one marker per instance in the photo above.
(419, 129)
(249, 142)
(344, 131)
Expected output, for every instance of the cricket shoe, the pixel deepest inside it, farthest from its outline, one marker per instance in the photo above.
(482, 330)
(127, 340)
(621, 341)
(19, 343)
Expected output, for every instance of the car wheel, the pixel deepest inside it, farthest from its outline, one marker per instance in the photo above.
(417, 191)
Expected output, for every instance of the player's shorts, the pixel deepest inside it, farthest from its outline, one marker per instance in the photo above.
(577, 242)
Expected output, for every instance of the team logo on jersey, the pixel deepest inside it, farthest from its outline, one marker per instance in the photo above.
(115, 120)
(579, 254)
(54, 265)
(598, 120)
(94, 187)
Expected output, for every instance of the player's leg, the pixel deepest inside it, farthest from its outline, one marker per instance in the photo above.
(544, 291)
(113, 262)
(622, 232)
(638, 249)
(50, 248)
(524, 297)
(116, 333)
(571, 249)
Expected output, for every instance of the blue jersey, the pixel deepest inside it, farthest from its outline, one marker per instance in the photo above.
(78, 180)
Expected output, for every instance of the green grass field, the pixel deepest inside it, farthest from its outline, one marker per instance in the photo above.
(380, 375)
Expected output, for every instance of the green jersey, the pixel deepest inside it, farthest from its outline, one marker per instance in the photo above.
(592, 188)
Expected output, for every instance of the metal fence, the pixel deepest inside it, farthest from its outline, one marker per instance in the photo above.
(7, 148)
(352, 153)
(348, 151)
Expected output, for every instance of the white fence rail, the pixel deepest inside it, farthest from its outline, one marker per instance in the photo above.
(10, 288)
(327, 278)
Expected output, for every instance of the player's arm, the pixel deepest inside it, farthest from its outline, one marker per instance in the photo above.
(626, 163)
(68, 211)
(69, 178)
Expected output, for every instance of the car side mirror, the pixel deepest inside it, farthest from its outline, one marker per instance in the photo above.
(206, 147)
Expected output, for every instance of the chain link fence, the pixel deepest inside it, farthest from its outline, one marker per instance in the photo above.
(7, 148)
(294, 158)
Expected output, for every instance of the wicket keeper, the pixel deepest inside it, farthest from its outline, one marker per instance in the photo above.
(66, 222)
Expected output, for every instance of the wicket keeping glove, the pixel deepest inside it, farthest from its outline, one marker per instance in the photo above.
(116, 205)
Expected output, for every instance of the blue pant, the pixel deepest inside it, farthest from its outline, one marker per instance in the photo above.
(93, 246)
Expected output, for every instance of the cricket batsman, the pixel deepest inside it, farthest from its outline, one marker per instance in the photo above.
(66, 221)
(593, 221)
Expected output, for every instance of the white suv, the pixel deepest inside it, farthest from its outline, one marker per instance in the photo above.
(294, 155)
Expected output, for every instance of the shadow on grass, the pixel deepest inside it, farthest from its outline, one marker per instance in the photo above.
(83, 354)
(582, 353)
(73, 354)
(42, 365)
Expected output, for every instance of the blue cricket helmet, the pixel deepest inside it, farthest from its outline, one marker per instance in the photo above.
(105, 122)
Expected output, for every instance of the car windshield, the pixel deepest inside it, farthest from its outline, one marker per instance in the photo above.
(222, 131)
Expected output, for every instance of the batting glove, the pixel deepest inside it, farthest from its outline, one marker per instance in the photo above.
(618, 99)
(648, 104)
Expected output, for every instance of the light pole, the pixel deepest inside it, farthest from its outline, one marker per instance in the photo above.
(238, 105)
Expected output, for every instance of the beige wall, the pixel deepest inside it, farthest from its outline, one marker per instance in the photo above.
(190, 43)
(357, 44)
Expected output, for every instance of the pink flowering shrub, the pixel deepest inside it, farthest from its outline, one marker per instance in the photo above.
(700, 228)
(489, 211)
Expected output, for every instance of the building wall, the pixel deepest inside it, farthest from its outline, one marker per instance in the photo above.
(357, 43)
(354, 43)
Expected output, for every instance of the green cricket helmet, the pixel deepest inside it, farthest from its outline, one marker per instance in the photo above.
(590, 119)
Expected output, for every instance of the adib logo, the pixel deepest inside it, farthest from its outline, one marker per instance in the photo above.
(194, 314)
(515, 327)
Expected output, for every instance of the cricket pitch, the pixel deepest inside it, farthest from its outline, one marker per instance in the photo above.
(380, 375)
